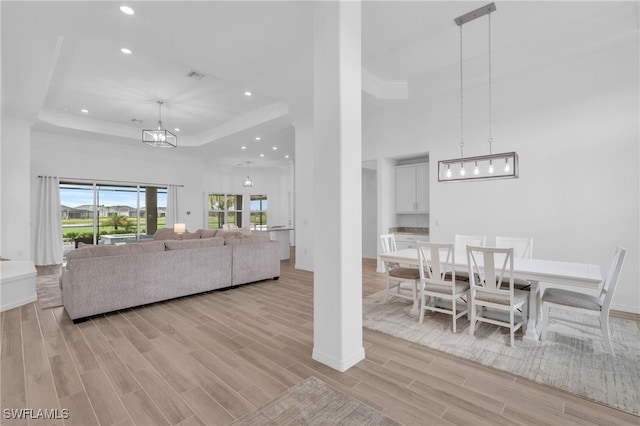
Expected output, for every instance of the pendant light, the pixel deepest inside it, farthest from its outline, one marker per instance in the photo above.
(483, 167)
(159, 137)
(247, 182)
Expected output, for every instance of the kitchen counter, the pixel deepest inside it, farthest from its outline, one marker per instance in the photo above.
(276, 233)
(409, 230)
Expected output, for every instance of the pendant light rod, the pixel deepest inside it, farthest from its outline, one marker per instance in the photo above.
(160, 115)
(481, 11)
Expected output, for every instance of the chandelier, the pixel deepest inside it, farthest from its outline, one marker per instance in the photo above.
(159, 137)
(247, 182)
(492, 166)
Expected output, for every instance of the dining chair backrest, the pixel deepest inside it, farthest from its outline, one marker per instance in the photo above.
(611, 280)
(462, 241)
(388, 242)
(437, 260)
(522, 247)
(483, 272)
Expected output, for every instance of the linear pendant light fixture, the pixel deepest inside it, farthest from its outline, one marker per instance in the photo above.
(160, 137)
(484, 167)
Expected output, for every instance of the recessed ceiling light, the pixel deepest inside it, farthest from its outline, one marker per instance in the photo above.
(126, 51)
(286, 156)
(243, 147)
(247, 93)
(258, 138)
(261, 155)
(86, 111)
(274, 148)
(176, 129)
(127, 10)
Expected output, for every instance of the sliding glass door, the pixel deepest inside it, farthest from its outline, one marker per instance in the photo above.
(95, 213)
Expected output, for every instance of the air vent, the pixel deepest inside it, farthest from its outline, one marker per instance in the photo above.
(195, 75)
(135, 120)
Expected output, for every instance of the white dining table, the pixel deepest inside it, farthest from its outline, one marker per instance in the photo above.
(552, 273)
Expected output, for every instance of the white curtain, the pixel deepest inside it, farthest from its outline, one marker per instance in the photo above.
(172, 205)
(49, 226)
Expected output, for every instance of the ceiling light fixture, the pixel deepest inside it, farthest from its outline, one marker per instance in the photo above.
(247, 182)
(274, 148)
(482, 165)
(261, 155)
(195, 75)
(127, 10)
(159, 137)
(84, 110)
(243, 147)
(248, 93)
(258, 138)
(126, 51)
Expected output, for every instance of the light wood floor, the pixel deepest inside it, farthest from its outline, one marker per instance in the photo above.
(211, 358)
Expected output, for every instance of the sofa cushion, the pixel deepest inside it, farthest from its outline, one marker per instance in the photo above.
(165, 234)
(189, 236)
(194, 243)
(246, 239)
(114, 250)
(207, 233)
(228, 234)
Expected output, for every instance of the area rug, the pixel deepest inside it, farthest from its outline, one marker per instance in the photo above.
(48, 291)
(313, 402)
(578, 366)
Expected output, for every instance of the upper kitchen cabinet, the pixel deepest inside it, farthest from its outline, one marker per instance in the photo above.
(412, 188)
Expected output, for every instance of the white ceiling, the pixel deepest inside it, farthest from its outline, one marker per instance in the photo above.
(60, 57)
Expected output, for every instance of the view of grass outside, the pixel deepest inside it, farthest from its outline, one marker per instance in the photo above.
(224, 209)
(258, 214)
(116, 208)
(72, 228)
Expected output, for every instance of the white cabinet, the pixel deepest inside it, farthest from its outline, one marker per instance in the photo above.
(412, 188)
(408, 241)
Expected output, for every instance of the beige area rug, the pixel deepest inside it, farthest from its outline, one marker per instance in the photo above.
(48, 291)
(313, 402)
(578, 366)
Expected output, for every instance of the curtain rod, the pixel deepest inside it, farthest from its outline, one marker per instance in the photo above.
(112, 182)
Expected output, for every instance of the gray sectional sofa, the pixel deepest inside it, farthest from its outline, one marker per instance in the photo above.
(101, 279)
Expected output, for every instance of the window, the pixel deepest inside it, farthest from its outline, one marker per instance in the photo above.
(258, 211)
(224, 209)
(105, 213)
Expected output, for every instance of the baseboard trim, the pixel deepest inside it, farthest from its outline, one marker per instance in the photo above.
(341, 365)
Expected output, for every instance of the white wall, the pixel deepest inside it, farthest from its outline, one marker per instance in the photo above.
(274, 182)
(575, 125)
(86, 158)
(15, 190)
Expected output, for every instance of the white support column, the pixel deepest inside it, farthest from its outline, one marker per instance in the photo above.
(338, 195)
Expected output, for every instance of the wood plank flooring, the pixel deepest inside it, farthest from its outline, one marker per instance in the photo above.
(211, 358)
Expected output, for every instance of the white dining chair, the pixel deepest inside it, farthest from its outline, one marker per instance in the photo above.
(522, 246)
(461, 243)
(571, 302)
(493, 288)
(403, 279)
(522, 249)
(437, 284)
